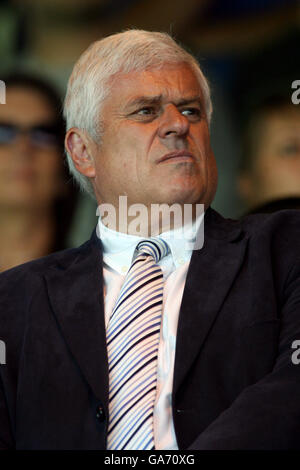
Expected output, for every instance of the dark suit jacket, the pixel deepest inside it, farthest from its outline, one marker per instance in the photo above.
(235, 384)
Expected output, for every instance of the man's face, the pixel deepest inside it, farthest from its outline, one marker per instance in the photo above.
(155, 146)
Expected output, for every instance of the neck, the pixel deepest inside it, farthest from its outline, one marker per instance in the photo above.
(149, 222)
(25, 235)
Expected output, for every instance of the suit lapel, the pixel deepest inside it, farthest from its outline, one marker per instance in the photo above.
(76, 296)
(211, 273)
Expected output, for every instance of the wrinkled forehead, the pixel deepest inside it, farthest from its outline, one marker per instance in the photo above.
(172, 82)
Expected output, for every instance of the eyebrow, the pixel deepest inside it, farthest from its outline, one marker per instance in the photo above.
(155, 100)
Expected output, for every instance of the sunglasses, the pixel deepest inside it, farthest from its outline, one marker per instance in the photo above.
(40, 135)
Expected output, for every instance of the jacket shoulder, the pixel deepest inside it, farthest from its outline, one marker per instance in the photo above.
(20, 285)
(284, 223)
(43, 264)
(280, 221)
(280, 231)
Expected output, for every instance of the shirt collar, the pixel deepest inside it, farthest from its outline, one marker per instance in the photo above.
(119, 247)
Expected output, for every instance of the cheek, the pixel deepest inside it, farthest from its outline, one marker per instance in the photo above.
(48, 164)
(7, 158)
(200, 137)
(4, 161)
(266, 168)
(271, 168)
(48, 169)
(124, 154)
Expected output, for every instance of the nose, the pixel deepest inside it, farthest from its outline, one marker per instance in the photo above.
(173, 123)
(23, 145)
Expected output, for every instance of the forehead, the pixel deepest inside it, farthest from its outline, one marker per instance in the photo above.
(280, 123)
(171, 82)
(25, 105)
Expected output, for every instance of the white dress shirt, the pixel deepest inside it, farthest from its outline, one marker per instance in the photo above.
(118, 253)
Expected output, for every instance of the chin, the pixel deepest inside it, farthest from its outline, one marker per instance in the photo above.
(183, 197)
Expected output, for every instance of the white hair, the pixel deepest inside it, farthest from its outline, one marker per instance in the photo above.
(88, 86)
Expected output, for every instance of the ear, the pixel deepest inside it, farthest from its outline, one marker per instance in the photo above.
(81, 150)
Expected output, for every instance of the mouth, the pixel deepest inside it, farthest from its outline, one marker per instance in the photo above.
(178, 156)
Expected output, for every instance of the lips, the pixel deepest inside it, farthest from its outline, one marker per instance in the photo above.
(181, 155)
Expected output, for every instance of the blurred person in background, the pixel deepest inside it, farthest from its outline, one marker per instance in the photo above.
(37, 198)
(269, 178)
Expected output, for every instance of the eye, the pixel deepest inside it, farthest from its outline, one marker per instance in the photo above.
(191, 112)
(290, 149)
(146, 111)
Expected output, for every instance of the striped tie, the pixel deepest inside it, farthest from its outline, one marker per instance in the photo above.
(132, 346)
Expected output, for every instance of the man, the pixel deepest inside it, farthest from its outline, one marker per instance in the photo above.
(138, 342)
(269, 176)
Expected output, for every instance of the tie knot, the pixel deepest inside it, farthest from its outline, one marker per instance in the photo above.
(155, 247)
